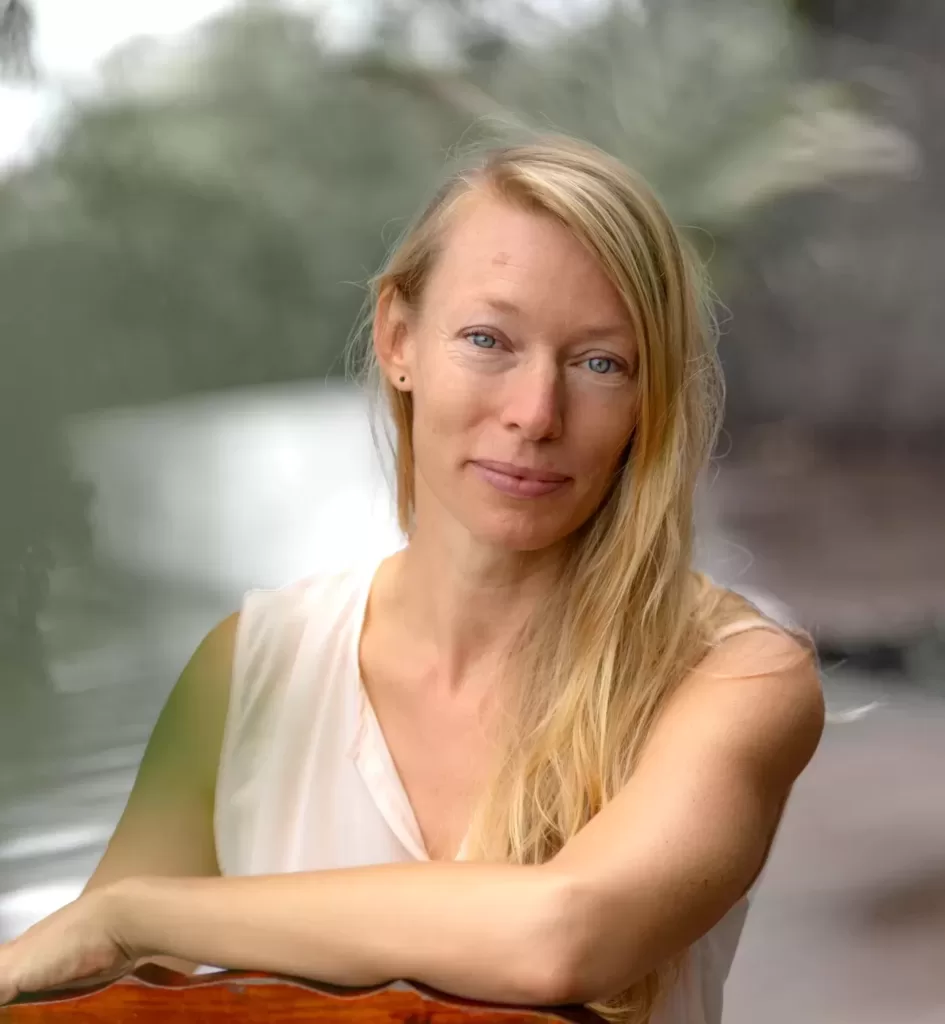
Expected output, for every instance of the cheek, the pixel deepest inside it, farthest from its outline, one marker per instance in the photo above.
(449, 409)
(604, 437)
(449, 397)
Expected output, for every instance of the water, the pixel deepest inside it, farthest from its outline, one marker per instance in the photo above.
(195, 502)
(256, 487)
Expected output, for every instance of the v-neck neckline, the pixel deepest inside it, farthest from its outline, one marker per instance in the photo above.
(370, 750)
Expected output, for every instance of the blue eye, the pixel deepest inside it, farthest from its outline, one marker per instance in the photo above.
(601, 365)
(481, 340)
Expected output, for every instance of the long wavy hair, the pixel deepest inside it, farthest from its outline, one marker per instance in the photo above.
(629, 617)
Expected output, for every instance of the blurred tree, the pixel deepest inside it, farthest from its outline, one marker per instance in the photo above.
(711, 102)
(16, 39)
(199, 220)
(870, 20)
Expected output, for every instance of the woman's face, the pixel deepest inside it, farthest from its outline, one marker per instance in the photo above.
(522, 365)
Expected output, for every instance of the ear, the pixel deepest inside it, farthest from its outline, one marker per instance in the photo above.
(393, 343)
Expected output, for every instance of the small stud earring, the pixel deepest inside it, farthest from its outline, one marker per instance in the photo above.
(402, 379)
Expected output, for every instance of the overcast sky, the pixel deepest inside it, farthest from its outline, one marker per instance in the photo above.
(73, 35)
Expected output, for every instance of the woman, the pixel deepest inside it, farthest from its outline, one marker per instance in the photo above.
(532, 757)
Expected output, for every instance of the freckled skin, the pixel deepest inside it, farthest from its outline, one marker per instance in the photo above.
(521, 353)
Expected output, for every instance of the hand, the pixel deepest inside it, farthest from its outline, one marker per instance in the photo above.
(77, 943)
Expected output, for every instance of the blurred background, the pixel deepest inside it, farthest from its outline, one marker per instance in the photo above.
(193, 195)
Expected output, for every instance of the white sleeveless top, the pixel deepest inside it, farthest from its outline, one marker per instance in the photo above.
(306, 781)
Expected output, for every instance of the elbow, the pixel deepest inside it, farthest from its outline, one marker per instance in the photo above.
(553, 957)
(579, 965)
(555, 962)
(575, 979)
(551, 978)
(553, 981)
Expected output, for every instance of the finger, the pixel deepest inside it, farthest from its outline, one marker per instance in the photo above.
(91, 981)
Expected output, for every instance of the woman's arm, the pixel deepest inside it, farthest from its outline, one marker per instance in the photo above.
(166, 828)
(653, 871)
(689, 834)
(486, 931)
(649, 874)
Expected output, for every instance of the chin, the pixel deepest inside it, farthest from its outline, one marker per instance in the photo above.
(521, 533)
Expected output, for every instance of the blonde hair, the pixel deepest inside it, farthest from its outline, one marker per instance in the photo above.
(630, 617)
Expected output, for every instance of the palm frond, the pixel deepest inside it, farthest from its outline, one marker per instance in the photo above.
(711, 101)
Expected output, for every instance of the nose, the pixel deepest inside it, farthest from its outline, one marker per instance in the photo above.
(533, 401)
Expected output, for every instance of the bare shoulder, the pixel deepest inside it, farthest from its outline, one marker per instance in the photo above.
(212, 661)
(197, 708)
(756, 699)
(190, 728)
(166, 827)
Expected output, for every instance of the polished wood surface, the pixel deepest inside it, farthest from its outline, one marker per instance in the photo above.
(153, 995)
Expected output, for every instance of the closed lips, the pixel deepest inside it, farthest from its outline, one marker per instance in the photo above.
(523, 473)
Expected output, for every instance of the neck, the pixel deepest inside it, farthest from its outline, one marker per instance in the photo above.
(466, 603)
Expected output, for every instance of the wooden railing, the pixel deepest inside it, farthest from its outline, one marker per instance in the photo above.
(154, 995)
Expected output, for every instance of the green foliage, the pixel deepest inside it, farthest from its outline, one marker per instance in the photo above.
(217, 231)
(709, 101)
(210, 220)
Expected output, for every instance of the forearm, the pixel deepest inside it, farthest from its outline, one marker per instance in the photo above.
(490, 932)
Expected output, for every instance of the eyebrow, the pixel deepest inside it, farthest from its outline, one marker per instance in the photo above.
(593, 332)
(503, 306)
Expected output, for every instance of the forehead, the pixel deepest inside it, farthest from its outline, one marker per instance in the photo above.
(495, 249)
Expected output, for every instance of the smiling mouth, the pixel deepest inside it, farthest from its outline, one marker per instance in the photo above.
(518, 481)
